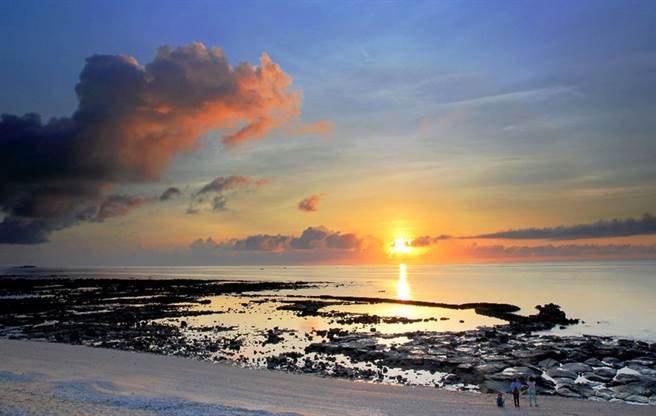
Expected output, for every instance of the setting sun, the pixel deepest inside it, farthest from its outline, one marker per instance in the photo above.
(401, 246)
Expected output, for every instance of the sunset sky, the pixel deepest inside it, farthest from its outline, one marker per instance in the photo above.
(238, 132)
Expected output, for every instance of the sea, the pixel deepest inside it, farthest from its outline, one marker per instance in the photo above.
(611, 298)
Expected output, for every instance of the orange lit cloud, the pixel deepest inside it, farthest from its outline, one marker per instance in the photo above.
(131, 120)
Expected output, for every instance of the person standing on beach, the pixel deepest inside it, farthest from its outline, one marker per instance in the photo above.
(500, 400)
(515, 388)
(532, 392)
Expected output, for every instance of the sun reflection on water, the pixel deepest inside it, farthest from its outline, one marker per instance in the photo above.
(402, 286)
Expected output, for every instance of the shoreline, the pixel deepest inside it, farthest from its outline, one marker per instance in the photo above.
(218, 320)
(66, 379)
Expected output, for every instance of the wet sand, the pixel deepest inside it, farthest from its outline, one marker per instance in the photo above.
(58, 379)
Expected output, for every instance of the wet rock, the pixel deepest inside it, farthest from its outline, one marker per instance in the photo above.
(561, 372)
(642, 362)
(594, 377)
(512, 373)
(638, 399)
(577, 367)
(451, 379)
(642, 369)
(583, 389)
(491, 368)
(495, 357)
(633, 389)
(565, 391)
(548, 363)
(605, 372)
(563, 382)
(306, 307)
(604, 393)
(594, 362)
(273, 336)
(626, 377)
(531, 356)
(612, 362)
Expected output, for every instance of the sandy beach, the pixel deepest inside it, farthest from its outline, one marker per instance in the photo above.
(38, 378)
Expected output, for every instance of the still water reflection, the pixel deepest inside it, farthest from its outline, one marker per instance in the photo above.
(402, 286)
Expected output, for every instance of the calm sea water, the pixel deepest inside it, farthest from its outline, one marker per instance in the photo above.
(613, 298)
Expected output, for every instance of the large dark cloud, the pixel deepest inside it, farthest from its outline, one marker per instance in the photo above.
(130, 122)
(600, 229)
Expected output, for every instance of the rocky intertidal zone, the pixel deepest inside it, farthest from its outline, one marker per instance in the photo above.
(488, 360)
(158, 316)
(123, 313)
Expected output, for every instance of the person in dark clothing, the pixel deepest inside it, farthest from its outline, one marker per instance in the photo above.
(500, 400)
(515, 389)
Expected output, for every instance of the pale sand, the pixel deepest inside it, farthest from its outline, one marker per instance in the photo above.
(38, 378)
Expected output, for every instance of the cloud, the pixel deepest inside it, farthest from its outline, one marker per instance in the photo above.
(600, 229)
(310, 203)
(261, 242)
(426, 240)
(131, 120)
(204, 246)
(322, 127)
(18, 231)
(33, 222)
(219, 203)
(117, 205)
(314, 245)
(262, 183)
(567, 251)
(312, 238)
(170, 193)
(220, 186)
(523, 96)
(225, 183)
(192, 210)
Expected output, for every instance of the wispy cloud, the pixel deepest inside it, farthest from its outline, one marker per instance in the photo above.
(566, 251)
(225, 183)
(220, 187)
(600, 229)
(523, 96)
(427, 240)
(170, 193)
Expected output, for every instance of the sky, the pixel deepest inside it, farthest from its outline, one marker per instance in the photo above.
(316, 132)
